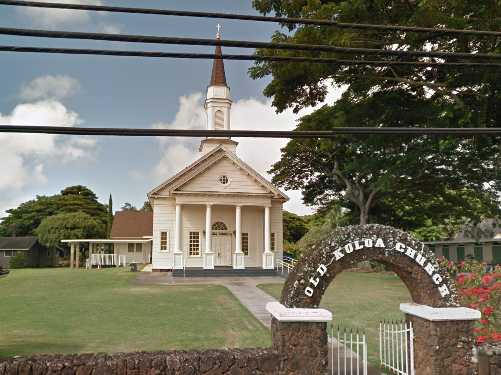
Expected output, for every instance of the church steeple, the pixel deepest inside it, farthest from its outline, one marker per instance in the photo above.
(218, 103)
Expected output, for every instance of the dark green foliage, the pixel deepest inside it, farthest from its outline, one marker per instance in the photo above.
(295, 227)
(128, 207)
(109, 218)
(147, 207)
(400, 181)
(19, 260)
(74, 225)
(23, 220)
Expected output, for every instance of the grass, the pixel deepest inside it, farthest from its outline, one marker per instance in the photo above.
(77, 311)
(360, 301)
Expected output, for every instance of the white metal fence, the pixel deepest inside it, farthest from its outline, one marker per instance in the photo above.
(102, 260)
(285, 265)
(396, 347)
(348, 353)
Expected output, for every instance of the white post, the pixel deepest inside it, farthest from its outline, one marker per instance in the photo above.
(72, 255)
(268, 256)
(77, 256)
(178, 249)
(238, 257)
(209, 255)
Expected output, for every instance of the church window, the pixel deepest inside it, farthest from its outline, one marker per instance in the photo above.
(224, 180)
(245, 243)
(273, 242)
(219, 226)
(219, 120)
(163, 241)
(194, 249)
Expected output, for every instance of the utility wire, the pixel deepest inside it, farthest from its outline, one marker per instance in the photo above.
(210, 56)
(235, 43)
(129, 132)
(283, 20)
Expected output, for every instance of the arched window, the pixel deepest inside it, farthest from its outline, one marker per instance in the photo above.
(219, 120)
(219, 226)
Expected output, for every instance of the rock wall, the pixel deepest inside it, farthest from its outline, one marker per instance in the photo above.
(207, 362)
(489, 361)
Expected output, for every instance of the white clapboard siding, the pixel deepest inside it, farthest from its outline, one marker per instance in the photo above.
(164, 217)
(240, 181)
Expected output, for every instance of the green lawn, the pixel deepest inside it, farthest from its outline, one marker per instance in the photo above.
(360, 301)
(75, 311)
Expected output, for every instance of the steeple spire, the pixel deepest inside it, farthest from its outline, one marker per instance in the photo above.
(218, 77)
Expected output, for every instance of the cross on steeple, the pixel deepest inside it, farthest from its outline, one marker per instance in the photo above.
(218, 35)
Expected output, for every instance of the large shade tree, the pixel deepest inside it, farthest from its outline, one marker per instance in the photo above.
(23, 220)
(389, 177)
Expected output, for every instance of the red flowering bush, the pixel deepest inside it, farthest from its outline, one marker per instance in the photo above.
(479, 290)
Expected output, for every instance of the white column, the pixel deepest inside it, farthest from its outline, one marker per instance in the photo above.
(268, 255)
(238, 257)
(209, 255)
(267, 230)
(178, 246)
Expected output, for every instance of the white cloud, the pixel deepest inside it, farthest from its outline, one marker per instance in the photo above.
(52, 18)
(25, 156)
(245, 114)
(50, 87)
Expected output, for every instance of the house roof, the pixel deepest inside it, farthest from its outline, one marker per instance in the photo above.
(132, 224)
(218, 77)
(205, 162)
(488, 230)
(17, 243)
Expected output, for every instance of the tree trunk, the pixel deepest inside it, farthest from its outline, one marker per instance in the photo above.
(364, 216)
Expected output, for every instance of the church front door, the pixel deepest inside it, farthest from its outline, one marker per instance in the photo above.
(221, 245)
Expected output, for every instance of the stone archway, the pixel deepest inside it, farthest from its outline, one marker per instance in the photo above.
(442, 345)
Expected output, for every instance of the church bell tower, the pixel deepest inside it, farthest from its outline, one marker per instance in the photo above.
(218, 104)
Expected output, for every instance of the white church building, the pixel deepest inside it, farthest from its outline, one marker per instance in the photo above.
(216, 213)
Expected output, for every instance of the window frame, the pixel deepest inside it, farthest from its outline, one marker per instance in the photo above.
(138, 245)
(448, 256)
(245, 240)
(191, 241)
(129, 248)
(478, 250)
(166, 249)
(273, 241)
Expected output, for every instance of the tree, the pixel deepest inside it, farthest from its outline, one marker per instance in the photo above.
(75, 225)
(23, 220)
(368, 174)
(295, 227)
(147, 207)
(128, 207)
(109, 221)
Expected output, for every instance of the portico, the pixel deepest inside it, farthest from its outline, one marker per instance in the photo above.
(224, 242)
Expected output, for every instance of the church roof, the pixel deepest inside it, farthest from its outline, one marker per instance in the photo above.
(205, 162)
(132, 224)
(218, 77)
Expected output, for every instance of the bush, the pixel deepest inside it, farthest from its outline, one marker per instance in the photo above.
(19, 260)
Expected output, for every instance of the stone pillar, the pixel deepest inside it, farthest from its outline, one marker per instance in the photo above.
(178, 246)
(238, 257)
(72, 255)
(209, 254)
(300, 337)
(444, 340)
(268, 256)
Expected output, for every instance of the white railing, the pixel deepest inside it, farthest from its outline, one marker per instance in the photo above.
(348, 353)
(396, 347)
(285, 265)
(103, 260)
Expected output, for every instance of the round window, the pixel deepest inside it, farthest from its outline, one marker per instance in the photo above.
(224, 180)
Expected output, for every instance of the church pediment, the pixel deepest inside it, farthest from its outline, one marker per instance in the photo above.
(218, 172)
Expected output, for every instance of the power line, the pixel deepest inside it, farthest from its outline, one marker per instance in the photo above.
(284, 20)
(130, 132)
(210, 56)
(234, 43)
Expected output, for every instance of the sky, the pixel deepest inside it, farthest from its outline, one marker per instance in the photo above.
(96, 91)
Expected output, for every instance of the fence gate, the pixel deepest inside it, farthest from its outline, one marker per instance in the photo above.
(348, 353)
(396, 347)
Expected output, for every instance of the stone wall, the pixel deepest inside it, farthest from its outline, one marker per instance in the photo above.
(443, 347)
(489, 361)
(208, 362)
